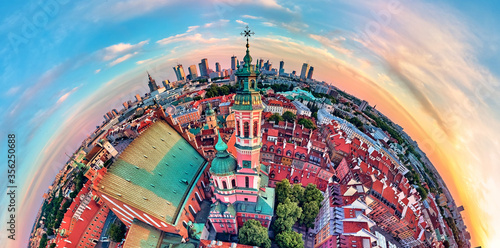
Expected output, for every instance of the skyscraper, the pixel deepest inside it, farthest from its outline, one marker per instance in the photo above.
(217, 67)
(193, 72)
(179, 72)
(233, 62)
(282, 69)
(261, 61)
(310, 73)
(303, 73)
(204, 67)
(152, 84)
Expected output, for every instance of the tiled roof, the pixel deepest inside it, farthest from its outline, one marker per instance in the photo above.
(154, 173)
(142, 235)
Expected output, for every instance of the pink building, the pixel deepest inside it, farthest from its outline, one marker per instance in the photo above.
(236, 180)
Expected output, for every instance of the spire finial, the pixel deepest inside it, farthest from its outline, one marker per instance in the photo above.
(247, 33)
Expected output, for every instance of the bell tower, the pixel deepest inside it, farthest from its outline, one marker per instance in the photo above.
(248, 109)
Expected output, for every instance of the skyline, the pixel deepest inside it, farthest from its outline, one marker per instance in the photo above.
(98, 73)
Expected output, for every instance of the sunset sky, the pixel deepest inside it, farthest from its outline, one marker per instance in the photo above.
(431, 66)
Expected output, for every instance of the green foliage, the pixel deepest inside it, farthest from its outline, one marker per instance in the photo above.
(53, 245)
(117, 232)
(43, 241)
(275, 117)
(309, 213)
(287, 214)
(279, 87)
(307, 123)
(289, 239)
(422, 191)
(282, 191)
(355, 121)
(253, 233)
(197, 98)
(312, 194)
(446, 244)
(296, 193)
(215, 90)
(289, 116)
(456, 235)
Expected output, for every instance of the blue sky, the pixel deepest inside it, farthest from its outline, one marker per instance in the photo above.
(432, 67)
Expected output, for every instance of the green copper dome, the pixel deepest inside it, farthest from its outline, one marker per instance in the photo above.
(223, 163)
(210, 111)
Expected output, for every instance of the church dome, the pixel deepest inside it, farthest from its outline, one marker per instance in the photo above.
(223, 163)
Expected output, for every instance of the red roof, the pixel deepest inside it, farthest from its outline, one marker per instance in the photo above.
(355, 226)
(208, 243)
(272, 132)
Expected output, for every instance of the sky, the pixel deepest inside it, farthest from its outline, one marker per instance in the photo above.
(430, 66)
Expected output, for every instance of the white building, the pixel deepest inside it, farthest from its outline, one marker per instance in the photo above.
(301, 108)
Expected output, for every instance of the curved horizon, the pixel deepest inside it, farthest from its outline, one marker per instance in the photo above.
(430, 67)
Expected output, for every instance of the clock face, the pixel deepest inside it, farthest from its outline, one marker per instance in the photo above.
(247, 164)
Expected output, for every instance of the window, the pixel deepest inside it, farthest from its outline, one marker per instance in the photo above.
(233, 183)
(255, 128)
(238, 128)
(224, 184)
(246, 129)
(247, 182)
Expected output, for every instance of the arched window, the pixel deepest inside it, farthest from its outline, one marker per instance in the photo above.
(278, 151)
(237, 126)
(297, 155)
(296, 180)
(224, 184)
(271, 149)
(264, 148)
(289, 153)
(255, 128)
(233, 183)
(216, 184)
(247, 182)
(246, 129)
(241, 84)
(272, 174)
(253, 84)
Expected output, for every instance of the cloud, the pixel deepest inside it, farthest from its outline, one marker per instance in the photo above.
(12, 90)
(120, 49)
(185, 37)
(122, 58)
(97, 71)
(269, 24)
(192, 28)
(66, 95)
(241, 22)
(219, 23)
(335, 43)
(140, 62)
(251, 17)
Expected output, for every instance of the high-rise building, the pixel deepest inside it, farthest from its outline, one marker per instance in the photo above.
(303, 73)
(193, 72)
(310, 73)
(179, 72)
(152, 84)
(282, 69)
(236, 181)
(166, 84)
(261, 62)
(217, 67)
(204, 70)
(138, 98)
(363, 105)
(233, 62)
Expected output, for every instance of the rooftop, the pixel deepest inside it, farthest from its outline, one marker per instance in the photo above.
(155, 173)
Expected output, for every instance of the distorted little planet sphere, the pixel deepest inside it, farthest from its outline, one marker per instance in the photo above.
(243, 157)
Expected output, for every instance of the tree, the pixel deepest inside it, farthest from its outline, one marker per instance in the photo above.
(289, 116)
(296, 193)
(289, 239)
(275, 117)
(309, 212)
(197, 98)
(53, 245)
(307, 123)
(312, 194)
(446, 244)
(43, 241)
(283, 190)
(287, 214)
(117, 232)
(253, 233)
